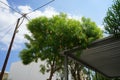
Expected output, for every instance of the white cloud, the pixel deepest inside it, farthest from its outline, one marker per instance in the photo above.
(101, 27)
(25, 9)
(74, 17)
(9, 17)
(48, 12)
(2, 5)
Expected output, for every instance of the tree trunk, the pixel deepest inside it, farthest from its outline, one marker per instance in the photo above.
(51, 73)
(75, 71)
(52, 70)
(78, 75)
(73, 74)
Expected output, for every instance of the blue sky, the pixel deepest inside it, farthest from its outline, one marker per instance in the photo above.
(94, 9)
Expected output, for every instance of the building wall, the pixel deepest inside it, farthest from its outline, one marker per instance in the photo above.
(19, 71)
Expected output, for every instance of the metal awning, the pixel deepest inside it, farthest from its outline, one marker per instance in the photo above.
(102, 56)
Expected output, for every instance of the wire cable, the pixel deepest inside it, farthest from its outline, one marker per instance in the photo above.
(11, 8)
(14, 10)
(5, 34)
(7, 30)
(37, 9)
(3, 29)
(41, 6)
(25, 15)
(1, 7)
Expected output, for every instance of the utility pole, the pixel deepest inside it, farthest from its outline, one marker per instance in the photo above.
(9, 50)
(17, 25)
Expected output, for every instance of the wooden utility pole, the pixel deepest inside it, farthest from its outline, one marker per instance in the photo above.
(9, 50)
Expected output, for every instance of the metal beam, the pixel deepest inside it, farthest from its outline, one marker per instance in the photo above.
(66, 67)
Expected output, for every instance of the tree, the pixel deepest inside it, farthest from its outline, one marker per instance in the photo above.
(50, 36)
(98, 76)
(91, 32)
(112, 19)
(112, 24)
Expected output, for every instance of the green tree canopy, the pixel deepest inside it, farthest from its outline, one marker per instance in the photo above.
(50, 36)
(112, 19)
(90, 32)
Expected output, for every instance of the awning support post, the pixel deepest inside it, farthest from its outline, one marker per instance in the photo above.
(66, 67)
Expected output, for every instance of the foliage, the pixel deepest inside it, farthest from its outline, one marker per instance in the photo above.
(90, 30)
(98, 76)
(112, 19)
(90, 33)
(50, 36)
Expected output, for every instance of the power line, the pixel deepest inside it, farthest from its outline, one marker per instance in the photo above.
(25, 14)
(3, 29)
(9, 50)
(29, 12)
(3, 7)
(37, 9)
(6, 33)
(10, 7)
(41, 6)
(12, 40)
(7, 30)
